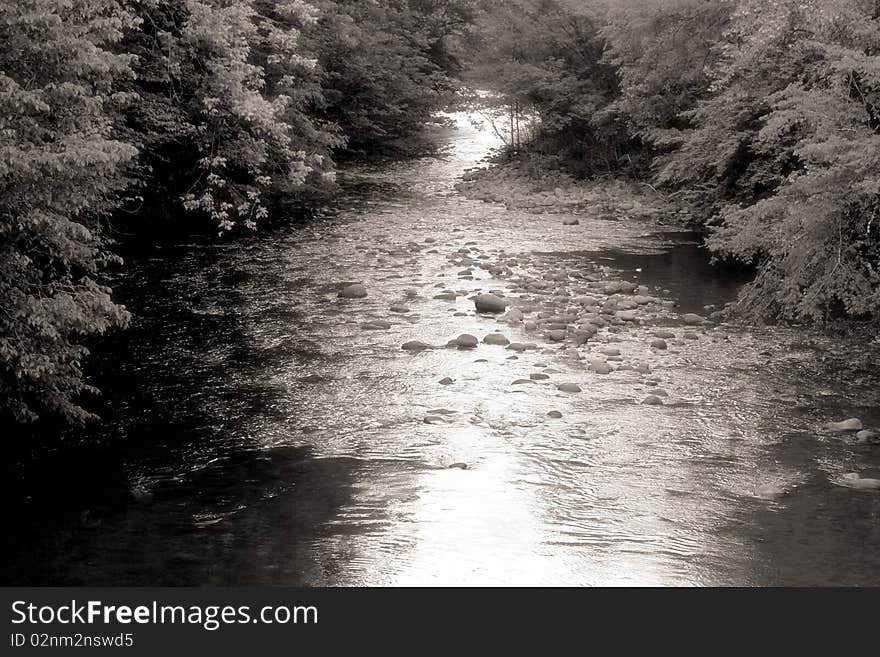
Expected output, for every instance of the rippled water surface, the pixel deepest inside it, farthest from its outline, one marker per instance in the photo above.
(261, 434)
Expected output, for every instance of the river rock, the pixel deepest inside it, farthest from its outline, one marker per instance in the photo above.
(377, 325)
(610, 351)
(522, 381)
(490, 303)
(600, 366)
(616, 287)
(446, 381)
(852, 424)
(497, 339)
(554, 414)
(568, 387)
(538, 376)
(626, 315)
(867, 434)
(514, 315)
(586, 332)
(522, 346)
(692, 319)
(570, 222)
(399, 308)
(652, 400)
(666, 335)
(353, 291)
(458, 466)
(466, 341)
(557, 335)
(415, 345)
(658, 344)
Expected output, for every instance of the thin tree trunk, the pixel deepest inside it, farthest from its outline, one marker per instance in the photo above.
(512, 135)
(518, 135)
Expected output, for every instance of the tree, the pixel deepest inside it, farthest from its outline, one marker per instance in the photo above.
(542, 59)
(224, 118)
(60, 171)
(787, 153)
(662, 51)
(379, 83)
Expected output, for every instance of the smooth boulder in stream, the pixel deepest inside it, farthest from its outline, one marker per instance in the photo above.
(497, 339)
(353, 291)
(490, 303)
(415, 345)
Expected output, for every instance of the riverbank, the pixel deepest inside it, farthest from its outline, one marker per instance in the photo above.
(269, 427)
(532, 184)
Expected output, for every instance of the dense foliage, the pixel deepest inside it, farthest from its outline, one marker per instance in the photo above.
(221, 116)
(785, 151)
(385, 67)
(761, 115)
(60, 170)
(543, 61)
(207, 114)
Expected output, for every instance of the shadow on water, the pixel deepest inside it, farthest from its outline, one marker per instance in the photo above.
(247, 518)
(171, 488)
(818, 533)
(683, 267)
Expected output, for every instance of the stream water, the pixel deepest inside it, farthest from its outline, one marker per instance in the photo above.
(258, 433)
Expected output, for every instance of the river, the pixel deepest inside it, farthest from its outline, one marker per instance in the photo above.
(258, 433)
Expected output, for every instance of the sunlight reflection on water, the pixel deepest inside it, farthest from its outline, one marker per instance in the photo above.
(281, 442)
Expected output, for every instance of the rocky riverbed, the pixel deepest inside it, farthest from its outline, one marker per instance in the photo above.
(585, 316)
(426, 387)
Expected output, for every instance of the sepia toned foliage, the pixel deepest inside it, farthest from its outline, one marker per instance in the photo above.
(60, 171)
(784, 156)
